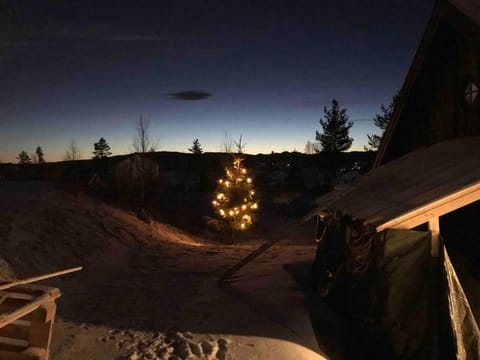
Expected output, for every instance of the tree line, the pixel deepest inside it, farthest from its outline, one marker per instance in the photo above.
(333, 137)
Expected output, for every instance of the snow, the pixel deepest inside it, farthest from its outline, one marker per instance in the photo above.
(151, 291)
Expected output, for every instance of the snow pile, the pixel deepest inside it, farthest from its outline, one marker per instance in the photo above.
(173, 346)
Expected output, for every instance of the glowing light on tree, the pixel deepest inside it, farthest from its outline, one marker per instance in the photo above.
(234, 199)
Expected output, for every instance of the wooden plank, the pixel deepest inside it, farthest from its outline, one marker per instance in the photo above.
(434, 227)
(17, 295)
(21, 323)
(15, 331)
(229, 272)
(10, 343)
(434, 209)
(41, 331)
(13, 315)
(11, 355)
(39, 278)
(27, 354)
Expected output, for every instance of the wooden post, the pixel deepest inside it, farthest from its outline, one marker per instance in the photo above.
(434, 227)
(41, 327)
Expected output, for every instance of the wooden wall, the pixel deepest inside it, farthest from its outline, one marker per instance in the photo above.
(436, 109)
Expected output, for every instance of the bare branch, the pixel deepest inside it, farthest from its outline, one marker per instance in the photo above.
(73, 153)
(227, 143)
(240, 146)
(142, 142)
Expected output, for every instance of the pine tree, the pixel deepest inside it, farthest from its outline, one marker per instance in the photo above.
(235, 197)
(196, 148)
(381, 121)
(24, 158)
(102, 149)
(39, 153)
(336, 127)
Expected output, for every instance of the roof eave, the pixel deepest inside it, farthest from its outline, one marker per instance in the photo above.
(412, 74)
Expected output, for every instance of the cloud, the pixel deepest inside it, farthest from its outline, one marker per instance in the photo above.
(189, 95)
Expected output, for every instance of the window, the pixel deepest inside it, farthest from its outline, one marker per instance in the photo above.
(471, 92)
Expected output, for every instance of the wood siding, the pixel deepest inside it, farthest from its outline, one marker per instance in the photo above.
(435, 108)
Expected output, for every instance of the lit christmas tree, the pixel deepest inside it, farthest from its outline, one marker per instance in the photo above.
(235, 197)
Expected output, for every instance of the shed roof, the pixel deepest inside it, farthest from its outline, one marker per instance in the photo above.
(413, 189)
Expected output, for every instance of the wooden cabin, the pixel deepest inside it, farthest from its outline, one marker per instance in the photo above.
(439, 101)
(440, 97)
(135, 171)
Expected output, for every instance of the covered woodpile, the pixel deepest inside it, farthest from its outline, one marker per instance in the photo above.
(381, 259)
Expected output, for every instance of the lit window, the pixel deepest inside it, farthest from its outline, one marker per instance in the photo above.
(471, 92)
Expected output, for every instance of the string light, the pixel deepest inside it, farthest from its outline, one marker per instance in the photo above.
(234, 200)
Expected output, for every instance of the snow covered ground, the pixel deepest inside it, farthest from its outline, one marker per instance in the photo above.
(151, 291)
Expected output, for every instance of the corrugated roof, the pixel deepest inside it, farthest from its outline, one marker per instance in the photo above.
(407, 191)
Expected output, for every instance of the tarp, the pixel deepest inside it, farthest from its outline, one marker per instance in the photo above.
(402, 302)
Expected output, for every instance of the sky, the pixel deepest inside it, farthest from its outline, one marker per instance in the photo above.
(81, 70)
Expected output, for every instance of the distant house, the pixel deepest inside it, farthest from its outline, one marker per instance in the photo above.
(133, 170)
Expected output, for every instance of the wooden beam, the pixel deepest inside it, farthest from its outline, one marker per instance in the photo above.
(434, 227)
(38, 278)
(442, 206)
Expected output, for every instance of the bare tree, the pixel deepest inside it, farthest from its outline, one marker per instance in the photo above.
(240, 146)
(227, 143)
(142, 141)
(73, 153)
(311, 148)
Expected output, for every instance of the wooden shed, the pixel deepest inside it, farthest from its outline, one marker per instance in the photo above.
(135, 171)
(388, 227)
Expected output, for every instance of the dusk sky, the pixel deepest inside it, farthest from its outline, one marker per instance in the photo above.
(85, 69)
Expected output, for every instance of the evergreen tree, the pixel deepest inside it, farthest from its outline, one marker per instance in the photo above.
(39, 153)
(381, 121)
(196, 148)
(235, 197)
(102, 149)
(336, 127)
(24, 158)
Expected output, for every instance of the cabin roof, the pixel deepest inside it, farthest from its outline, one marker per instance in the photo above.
(469, 8)
(412, 189)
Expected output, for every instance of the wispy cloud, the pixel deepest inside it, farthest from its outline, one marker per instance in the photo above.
(189, 95)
